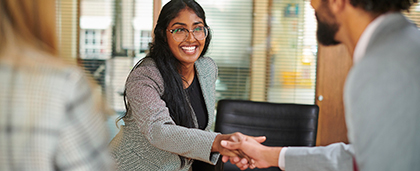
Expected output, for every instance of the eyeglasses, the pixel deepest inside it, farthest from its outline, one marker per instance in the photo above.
(181, 34)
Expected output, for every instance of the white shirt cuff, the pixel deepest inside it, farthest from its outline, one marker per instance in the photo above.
(282, 164)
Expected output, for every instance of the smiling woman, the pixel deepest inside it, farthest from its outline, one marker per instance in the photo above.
(170, 99)
(187, 49)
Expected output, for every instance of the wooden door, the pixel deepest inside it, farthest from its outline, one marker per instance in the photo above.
(333, 64)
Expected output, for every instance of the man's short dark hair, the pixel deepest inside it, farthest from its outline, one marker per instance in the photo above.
(383, 6)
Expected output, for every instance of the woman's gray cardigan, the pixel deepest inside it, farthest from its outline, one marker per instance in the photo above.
(150, 140)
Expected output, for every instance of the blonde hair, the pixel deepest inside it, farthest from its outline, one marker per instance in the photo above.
(28, 23)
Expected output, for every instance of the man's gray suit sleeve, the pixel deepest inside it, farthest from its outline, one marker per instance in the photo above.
(334, 157)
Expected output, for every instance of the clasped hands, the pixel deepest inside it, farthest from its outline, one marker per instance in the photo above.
(247, 151)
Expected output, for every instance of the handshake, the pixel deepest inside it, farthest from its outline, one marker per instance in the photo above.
(247, 151)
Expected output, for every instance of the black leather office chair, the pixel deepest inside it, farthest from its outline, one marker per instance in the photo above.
(282, 124)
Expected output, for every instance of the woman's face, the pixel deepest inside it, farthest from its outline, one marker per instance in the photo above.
(188, 50)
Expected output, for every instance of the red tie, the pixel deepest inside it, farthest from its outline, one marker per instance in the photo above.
(355, 165)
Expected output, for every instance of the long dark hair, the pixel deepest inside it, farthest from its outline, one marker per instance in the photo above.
(174, 94)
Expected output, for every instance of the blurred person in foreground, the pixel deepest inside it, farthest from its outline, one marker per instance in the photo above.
(381, 95)
(171, 99)
(49, 116)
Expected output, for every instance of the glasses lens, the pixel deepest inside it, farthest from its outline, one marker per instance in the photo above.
(200, 33)
(179, 34)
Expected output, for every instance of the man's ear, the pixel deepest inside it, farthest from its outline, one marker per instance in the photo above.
(338, 6)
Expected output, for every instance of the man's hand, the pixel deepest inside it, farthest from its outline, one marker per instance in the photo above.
(261, 156)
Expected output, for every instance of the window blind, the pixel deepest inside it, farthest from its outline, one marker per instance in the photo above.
(231, 26)
(414, 14)
(265, 49)
(67, 28)
(292, 52)
(114, 35)
(106, 38)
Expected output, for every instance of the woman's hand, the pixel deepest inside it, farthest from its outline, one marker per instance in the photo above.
(235, 137)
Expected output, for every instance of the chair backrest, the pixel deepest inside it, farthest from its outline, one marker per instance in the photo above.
(282, 124)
